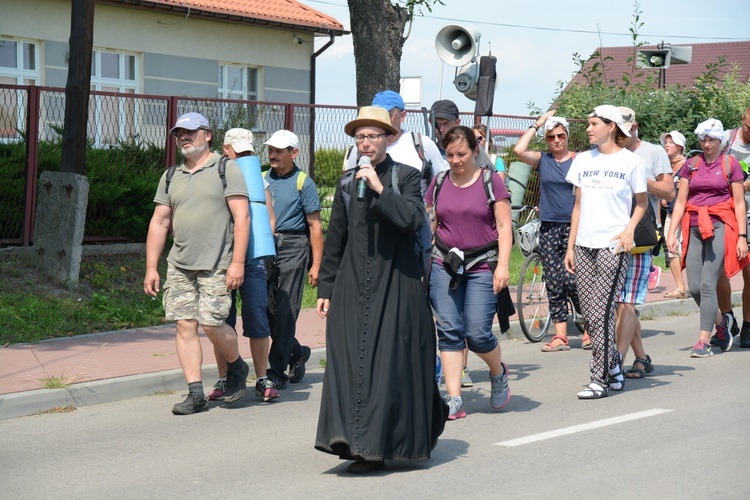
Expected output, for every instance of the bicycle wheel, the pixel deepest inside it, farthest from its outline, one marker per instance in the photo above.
(531, 299)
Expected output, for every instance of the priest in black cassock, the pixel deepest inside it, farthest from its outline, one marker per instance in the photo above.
(380, 400)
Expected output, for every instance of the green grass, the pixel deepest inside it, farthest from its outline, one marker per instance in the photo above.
(110, 296)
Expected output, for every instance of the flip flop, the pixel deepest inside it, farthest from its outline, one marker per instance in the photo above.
(549, 347)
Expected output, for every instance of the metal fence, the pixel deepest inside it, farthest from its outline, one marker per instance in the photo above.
(129, 146)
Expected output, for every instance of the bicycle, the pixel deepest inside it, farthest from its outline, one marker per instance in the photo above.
(532, 305)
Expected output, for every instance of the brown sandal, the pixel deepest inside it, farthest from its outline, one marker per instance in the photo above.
(586, 343)
(676, 294)
(549, 347)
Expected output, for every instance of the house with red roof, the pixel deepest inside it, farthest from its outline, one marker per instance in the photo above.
(237, 49)
(619, 60)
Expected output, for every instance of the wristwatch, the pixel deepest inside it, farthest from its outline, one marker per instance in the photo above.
(744, 235)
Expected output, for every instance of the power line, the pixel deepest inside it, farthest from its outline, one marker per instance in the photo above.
(560, 30)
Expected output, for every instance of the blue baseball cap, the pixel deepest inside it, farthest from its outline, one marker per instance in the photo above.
(191, 121)
(388, 100)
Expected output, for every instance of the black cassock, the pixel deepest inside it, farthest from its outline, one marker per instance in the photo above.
(380, 400)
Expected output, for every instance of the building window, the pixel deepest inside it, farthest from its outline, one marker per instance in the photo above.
(238, 82)
(18, 66)
(113, 119)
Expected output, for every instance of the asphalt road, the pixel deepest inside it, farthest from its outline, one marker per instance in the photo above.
(681, 433)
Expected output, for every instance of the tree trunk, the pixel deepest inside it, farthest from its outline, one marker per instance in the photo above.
(77, 87)
(377, 32)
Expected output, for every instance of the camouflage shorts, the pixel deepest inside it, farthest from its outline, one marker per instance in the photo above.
(199, 295)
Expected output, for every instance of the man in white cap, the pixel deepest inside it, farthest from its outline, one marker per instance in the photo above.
(208, 215)
(380, 400)
(238, 143)
(297, 208)
(659, 185)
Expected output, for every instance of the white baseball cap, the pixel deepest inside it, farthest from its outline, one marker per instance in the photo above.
(282, 139)
(677, 138)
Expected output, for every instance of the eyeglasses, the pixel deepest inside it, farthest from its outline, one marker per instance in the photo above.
(442, 125)
(559, 137)
(369, 137)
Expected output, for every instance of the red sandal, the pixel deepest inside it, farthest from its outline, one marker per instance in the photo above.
(549, 347)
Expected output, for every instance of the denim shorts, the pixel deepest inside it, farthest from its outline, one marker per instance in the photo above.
(254, 302)
(198, 295)
(463, 316)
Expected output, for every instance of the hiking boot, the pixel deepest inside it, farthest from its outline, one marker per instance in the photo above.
(466, 378)
(722, 338)
(297, 366)
(456, 407)
(745, 338)
(236, 384)
(265, 389)
(218, 393)
(653, 277)
(500, 392)
(701, 350)
(193, 403)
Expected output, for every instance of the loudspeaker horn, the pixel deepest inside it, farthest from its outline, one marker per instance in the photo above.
(456, 45)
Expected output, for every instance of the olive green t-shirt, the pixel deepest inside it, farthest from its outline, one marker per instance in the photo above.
(201, 221)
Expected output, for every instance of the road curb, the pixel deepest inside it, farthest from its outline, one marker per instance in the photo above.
(105, 391)
(20, 404)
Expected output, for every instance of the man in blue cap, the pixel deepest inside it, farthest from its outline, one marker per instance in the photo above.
(206, 211)
(413, 149)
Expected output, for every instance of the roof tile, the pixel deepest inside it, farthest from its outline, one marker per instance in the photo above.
(281, 11)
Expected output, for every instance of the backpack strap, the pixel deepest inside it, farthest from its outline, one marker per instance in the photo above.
(170, 173)
(439, 180)
(301, 178)
(416, 139)
(732, 136)
(488, 186)
(223, 171)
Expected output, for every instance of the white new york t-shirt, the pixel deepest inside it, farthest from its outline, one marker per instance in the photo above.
(608, 183)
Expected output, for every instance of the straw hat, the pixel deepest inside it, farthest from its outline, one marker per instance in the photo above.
(371, 116)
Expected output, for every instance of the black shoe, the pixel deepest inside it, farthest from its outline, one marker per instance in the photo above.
(236, 384)
(193, 403)
(745, 338)
(297, 366)
(735, 328)
(365, 466)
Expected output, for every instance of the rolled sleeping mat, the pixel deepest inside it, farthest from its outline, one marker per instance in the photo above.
(261, 245)
(518, 179)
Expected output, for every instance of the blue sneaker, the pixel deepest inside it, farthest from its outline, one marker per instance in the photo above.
(701, 350)
(723, 338)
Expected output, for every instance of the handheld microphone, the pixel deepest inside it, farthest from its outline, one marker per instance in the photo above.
(362, 184)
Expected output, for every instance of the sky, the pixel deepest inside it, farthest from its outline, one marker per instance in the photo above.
(534, 42)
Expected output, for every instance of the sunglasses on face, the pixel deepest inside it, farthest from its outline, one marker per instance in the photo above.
(552, 137)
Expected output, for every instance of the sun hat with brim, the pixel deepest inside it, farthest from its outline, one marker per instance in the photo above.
(240, 139)
(677, 138)
(611, 113)
(371, 116)
(191, 121)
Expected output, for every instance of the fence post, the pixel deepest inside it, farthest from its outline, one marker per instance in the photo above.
(32, 162)
(311, 165)
(289, 117)
(171, 149)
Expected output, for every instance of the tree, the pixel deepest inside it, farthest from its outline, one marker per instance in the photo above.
(77, 87)
(378, 35)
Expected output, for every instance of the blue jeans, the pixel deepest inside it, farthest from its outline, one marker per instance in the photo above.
(463, 316)
(254, 302)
